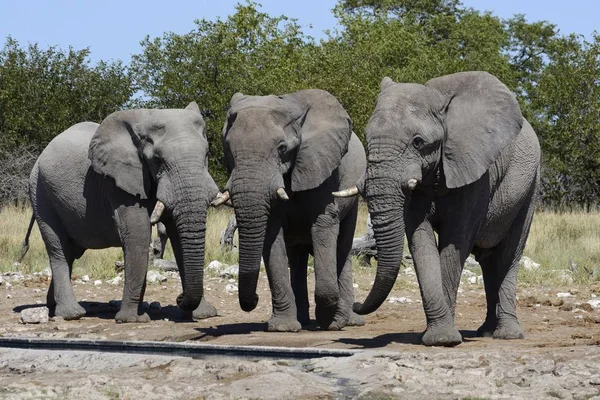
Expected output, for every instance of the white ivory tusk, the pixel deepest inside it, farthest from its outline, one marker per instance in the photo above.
(221, 199)
(350, 192)
(282, 194)
(412, 184)
(159, 208)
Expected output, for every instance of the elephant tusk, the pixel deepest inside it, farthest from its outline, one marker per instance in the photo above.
(412, 184)
(159, 208)
(282, 194)
(350, 192)
(221, 199)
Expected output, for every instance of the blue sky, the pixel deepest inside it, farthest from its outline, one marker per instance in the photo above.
(113, 29)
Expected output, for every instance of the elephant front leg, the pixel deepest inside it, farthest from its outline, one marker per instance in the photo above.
(284, 317)
(327, 292)
(441, 330)
(135, 232)
(298, 257)
(204, 310)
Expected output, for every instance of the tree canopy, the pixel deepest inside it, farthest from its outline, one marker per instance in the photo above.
(555, 77)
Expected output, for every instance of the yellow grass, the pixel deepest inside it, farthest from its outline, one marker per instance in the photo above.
(554, 239)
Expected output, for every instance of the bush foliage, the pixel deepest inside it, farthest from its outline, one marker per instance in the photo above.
(42, 92)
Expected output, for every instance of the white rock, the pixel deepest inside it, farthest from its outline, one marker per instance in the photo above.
(1, 280)
(468, 273)
(97, 282)
(38, 302)
(594, 303)
(8, 285)
(231, 288)
(155, 276)
(214, 265)
(16, 264)
(231, 271)
(85, 278)
(470, 262)
(473, 280)
(115, 281)
(355, 285)
(409, 271)
(529, 264)
(34, 315)
(400, 300)
(564, 294)
(47, 271)
(9, 296)
(37, 290)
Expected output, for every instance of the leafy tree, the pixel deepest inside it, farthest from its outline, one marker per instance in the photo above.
(43, 92)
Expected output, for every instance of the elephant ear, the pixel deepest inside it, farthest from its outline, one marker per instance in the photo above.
(325, 130)
(193, 106)
(113, 152)
(482, 118)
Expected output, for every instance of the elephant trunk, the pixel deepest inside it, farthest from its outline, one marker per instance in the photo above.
(252, 208)
(387, 217)
(191, 197)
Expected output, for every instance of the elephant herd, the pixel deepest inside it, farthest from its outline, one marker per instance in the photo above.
(451, 164)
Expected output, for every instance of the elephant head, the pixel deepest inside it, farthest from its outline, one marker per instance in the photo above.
(435, 137)
(275, 146)
(161, 157)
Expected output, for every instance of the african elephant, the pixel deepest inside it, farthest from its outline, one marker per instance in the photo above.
(98, 186)
(455, 157)
(286, 154)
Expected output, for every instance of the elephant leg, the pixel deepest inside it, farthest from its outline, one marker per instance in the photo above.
(162, 237)
(204, 310)
(440, 330)
(324, 234)
(60, 299)
(507, 255)
(298, 256)
(486, 258)
(135, 232)
(344, 264)
(284, 317)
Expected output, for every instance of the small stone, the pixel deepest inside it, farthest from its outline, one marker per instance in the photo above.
(400, 300)
(355, 285)
(468, 273)
(85, 278)
(595, 303)
(38, 302)
(564, 294)
(97, 282)
(9, 296)
(567, 307)
(470, 262)
(34, 315)
(155, 305)
(473, 280)
(155, 276)
(47, 272)
(558, 302)
(1, 280)
(16, 264)
(214, 265)
(8, 285)
(115, 281)
(230, 272)
(163, 287)
(231, 288)
(586, 307)
(529, 264)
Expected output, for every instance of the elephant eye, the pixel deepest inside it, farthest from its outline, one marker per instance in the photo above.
(282, 149)
(418, 142)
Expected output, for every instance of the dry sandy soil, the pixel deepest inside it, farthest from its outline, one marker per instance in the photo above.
(560, 357)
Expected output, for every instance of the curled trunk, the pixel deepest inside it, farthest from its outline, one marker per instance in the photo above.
(387, 216)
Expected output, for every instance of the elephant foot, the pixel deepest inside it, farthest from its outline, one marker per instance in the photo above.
(68, 311)
(329, 318)
(355, 319)
(283, 324)
(487, 328)
(127, 316)
(204, 310)
(442, 335)
(508, 330)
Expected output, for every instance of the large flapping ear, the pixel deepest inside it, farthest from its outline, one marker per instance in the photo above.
(325, 131)
(481, 119)
(114, 152)
(229, 120)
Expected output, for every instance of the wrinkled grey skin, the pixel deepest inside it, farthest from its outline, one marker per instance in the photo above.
(94, 186)
(476, 163)
(302, 142)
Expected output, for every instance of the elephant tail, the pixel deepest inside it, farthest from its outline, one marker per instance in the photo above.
(25, 244)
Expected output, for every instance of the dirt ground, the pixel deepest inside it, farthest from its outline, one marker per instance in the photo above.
(559, 358)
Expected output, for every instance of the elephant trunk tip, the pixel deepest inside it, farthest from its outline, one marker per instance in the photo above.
(185, 303)
(359, 309)
(249, 305)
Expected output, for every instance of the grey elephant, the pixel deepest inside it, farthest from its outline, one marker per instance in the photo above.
(286, 154)
(98, 186)
(453, 157)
